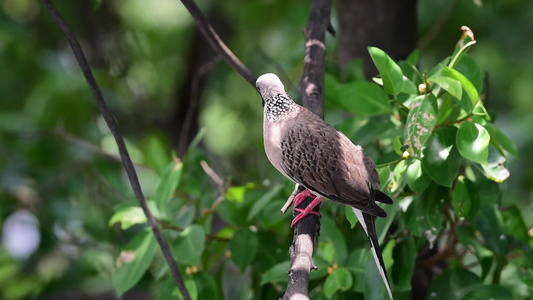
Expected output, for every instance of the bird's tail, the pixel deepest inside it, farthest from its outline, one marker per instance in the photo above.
(367, 222)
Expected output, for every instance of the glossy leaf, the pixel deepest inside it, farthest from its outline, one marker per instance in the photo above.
(469, 88)
(495, 168)
(157, 155)
(451, 85)
(420, 122)
(133, 262)
(499, 139)
(441, 159)
(168, 183)
(243, 246)
(350, 216)
(340, 279)
(128, 216)
(363, 97)
(390, 72)
(461, 197)
(408, 87)
(423, 217)
(515, 224)
(417, 179)
(189, 245)
(384, 177)
(473, 142)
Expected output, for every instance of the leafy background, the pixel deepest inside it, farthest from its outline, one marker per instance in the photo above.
(63, 190)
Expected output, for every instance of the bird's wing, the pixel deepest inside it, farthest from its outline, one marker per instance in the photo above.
(368, 223)
(323, 160)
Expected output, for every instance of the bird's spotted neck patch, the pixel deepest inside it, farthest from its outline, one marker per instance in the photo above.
(279, 106)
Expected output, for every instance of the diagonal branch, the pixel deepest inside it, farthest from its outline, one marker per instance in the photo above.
(113, 126)
(216, 43)
(312, 88)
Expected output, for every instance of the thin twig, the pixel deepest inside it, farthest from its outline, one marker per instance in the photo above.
(216, 43)
(113, 126)
(193, 102)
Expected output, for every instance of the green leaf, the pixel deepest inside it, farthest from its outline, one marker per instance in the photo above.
(499, 139)
(408, 86)
(451, 85)
(168, 183)
(465, 83)
(128, 216)
(157, 155)
(340, 279)
(489, 223)
(330, 233)
(206, 286)
(473, 142)
(264, 200)
(494, 168)
(390, 72)
(356, 264)
(453, 284)
(493, 292)
(410, 71)
(465, 42)
(243, 246)
(417, 179)
(413, 57)
(420, 122)
(363, 97)
(515, 224)
(133, 261)
(277, 273)
(397, 144)
(350, 216)
(384, 177)
(461, 197)
(190, 285)
(397, 181)
(404, 256)
(189, 245)
(441, 159)
(423, 216)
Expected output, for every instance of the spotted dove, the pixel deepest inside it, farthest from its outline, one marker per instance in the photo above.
(311, 153)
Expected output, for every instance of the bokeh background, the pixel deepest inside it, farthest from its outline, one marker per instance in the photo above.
(59, 174)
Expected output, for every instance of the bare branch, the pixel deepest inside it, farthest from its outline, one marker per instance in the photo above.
(216, 43)
(113, 126)
(312, 88)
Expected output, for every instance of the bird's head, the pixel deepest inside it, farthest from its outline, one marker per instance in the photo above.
(269, 85)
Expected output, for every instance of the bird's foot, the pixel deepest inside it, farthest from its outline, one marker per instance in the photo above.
(309, 209)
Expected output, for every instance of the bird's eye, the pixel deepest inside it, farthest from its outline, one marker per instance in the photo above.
(258, 88)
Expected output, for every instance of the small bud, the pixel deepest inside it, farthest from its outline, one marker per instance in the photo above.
(405, 155)
(335, 266)
(422, 88)
(194, 269)
(188, 271)
(330, 270)
(227, 254)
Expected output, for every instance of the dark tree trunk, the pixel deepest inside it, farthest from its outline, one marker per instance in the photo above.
(387, 24)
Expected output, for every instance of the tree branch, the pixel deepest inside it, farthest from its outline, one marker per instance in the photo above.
(216, 43)
(312, 88)
(113, 126)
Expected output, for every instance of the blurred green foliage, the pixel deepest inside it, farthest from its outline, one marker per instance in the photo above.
(58, 161)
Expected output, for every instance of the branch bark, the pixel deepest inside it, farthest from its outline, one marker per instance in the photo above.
(312, 88)
(113, 126)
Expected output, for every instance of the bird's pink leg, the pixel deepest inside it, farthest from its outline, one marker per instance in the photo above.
(309, 209)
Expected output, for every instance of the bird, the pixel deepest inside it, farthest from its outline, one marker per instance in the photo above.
(313, 154)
